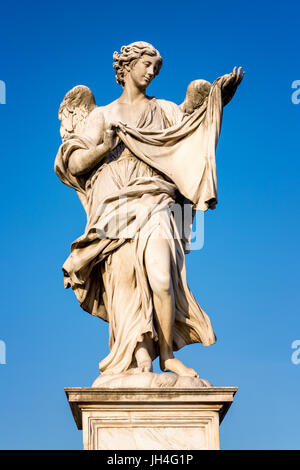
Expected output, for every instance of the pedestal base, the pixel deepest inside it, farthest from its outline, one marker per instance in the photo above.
(155, 419)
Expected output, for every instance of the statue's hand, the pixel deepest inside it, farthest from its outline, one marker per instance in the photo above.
(234, 78)
(110, 139)
(230, 83)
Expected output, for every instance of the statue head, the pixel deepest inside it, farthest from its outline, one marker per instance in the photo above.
(130, 55)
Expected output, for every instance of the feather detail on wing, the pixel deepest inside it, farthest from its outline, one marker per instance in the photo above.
(74, 109)
(197, 92)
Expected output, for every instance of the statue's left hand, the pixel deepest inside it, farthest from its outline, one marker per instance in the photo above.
(230, 83)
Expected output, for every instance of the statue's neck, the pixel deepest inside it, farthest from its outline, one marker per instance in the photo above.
(132, 94)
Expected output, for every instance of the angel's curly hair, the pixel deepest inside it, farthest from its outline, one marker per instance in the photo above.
(130, 54)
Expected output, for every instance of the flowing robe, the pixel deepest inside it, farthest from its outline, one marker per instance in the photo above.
(167, 155)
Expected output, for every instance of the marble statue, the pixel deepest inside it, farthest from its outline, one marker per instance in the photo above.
(145, 153)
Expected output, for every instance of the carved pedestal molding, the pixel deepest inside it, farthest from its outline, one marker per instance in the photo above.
(155, 419)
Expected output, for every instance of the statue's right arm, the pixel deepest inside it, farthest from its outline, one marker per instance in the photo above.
(104, 140)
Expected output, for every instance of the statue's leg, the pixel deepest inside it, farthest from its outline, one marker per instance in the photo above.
(158, 266)
(122, 267)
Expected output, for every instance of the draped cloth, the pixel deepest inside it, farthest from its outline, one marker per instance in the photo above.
(168, 154)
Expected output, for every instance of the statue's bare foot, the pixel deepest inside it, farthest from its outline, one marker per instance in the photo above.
(145, 367)
(176, 366)
(143, 359)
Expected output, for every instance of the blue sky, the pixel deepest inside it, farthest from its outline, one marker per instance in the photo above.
(246, 276)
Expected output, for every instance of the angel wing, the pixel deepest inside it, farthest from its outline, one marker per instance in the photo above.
(74, 109)
(196, 93)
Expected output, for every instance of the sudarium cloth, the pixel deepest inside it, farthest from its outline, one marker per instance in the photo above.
(167, 155)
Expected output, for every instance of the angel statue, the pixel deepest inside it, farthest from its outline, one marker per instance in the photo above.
(144, 153)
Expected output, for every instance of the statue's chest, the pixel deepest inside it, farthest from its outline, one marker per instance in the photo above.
(138, 116)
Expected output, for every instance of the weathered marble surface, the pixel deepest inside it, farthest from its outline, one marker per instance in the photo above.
(149, 380)
(156, 419)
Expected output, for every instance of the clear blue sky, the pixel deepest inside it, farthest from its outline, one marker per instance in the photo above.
(246, 276)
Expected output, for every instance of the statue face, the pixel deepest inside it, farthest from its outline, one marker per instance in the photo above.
(144, 70)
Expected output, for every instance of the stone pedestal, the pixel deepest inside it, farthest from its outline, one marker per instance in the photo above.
(155, 419)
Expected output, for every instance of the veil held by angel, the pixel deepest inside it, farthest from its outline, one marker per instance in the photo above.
(150, 153)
